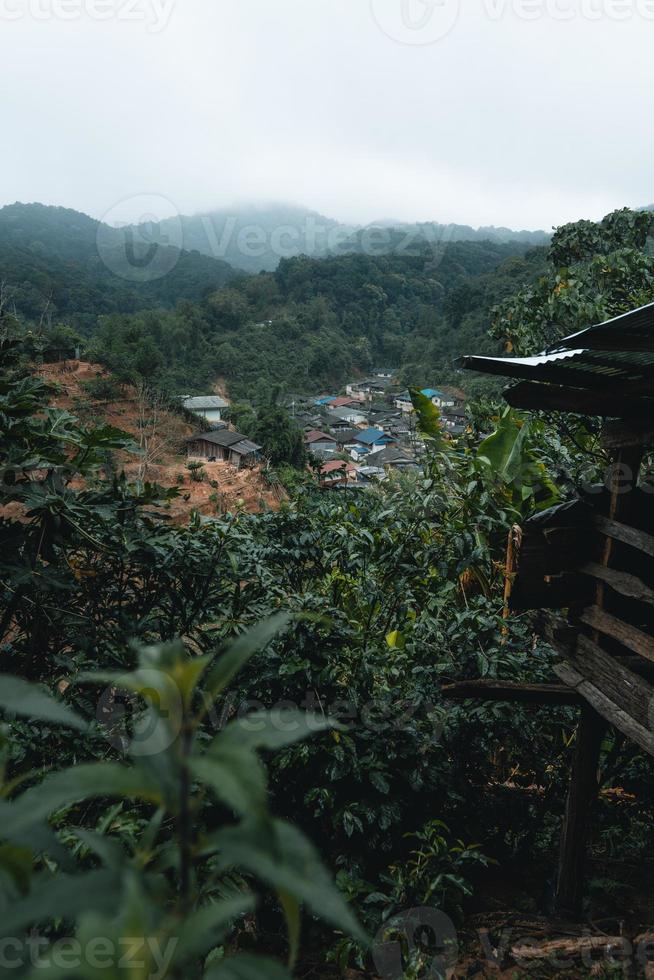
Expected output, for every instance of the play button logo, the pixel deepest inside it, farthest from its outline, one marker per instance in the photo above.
(416, 22)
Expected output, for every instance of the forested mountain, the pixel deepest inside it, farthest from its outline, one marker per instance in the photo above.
(310, 323)
(256, 237)
(315, 322)
(53, 268)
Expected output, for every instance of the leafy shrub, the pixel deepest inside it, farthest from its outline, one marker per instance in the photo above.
(103, 389)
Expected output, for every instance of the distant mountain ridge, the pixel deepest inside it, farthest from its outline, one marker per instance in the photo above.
(68, 266)
(255, 237)
(62, 264)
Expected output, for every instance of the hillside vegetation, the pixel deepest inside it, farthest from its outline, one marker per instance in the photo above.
(193, 711)
(318, 322)
(52, 270)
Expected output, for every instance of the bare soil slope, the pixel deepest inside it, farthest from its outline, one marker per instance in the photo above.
(161, 434)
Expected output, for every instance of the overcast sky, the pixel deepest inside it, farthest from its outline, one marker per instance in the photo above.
(519, 112)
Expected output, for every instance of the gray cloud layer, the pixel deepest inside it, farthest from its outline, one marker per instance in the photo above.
(522, 112)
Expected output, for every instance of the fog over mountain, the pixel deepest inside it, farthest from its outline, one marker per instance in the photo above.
(504, 116)
(255, 236)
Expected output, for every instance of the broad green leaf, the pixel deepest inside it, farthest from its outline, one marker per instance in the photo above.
(281, 855)
(293, 916)
(231, 662)
(17, 863)
(62, 896)
(504, 449)
(272, 729)
(396, 640)
(62, 789)
(247, 967)
(236, 776)
(204, 928)
(22, 698)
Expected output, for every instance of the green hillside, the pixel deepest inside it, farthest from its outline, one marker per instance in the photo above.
(53, 269)
(316, 322)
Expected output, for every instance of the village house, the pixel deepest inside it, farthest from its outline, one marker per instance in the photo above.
(373, 438)
(343, 401)
(226, 445)
(346, 438)
(403, 402)
(351, 416)
(370, 474)
(365, 391)
(320, 441)
(359, 452)
(391, 458)
(209, 407)
(457, 395)
(384, 419)
(337, 472)
(436, 397)
(454, 420)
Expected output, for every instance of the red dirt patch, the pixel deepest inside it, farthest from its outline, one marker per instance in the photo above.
(235, 490)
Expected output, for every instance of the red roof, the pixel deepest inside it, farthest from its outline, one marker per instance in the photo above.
(342, 402)
(317, 436)
(336, 464)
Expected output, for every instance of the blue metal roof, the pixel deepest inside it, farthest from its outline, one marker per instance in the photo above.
(372, 436)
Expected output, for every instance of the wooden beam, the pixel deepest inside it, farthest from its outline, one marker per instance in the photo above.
(605, 707)
(631, 693)
(629, 636)
(532, 395)
(582, 792)
(639, 432)
(511, 692)
(622, 582)
(626, 535)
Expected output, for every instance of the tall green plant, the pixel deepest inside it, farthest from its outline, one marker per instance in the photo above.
(170, 893)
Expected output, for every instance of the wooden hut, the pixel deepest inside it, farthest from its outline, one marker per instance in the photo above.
(591, 560)
(224, 444)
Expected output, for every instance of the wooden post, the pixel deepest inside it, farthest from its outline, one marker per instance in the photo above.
(584, 782)
(581, 795)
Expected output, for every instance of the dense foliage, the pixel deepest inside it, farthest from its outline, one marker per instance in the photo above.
(595, 271)
(51, 270)
(147, 817)
(316, 323)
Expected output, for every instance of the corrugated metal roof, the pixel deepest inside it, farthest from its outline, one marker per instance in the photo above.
(244, 447)
(607, 356)
(317, 436)
(628, 331)
(204, 402)
(223, 437)
(371, 436)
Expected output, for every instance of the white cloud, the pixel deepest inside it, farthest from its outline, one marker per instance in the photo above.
(503, 120)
